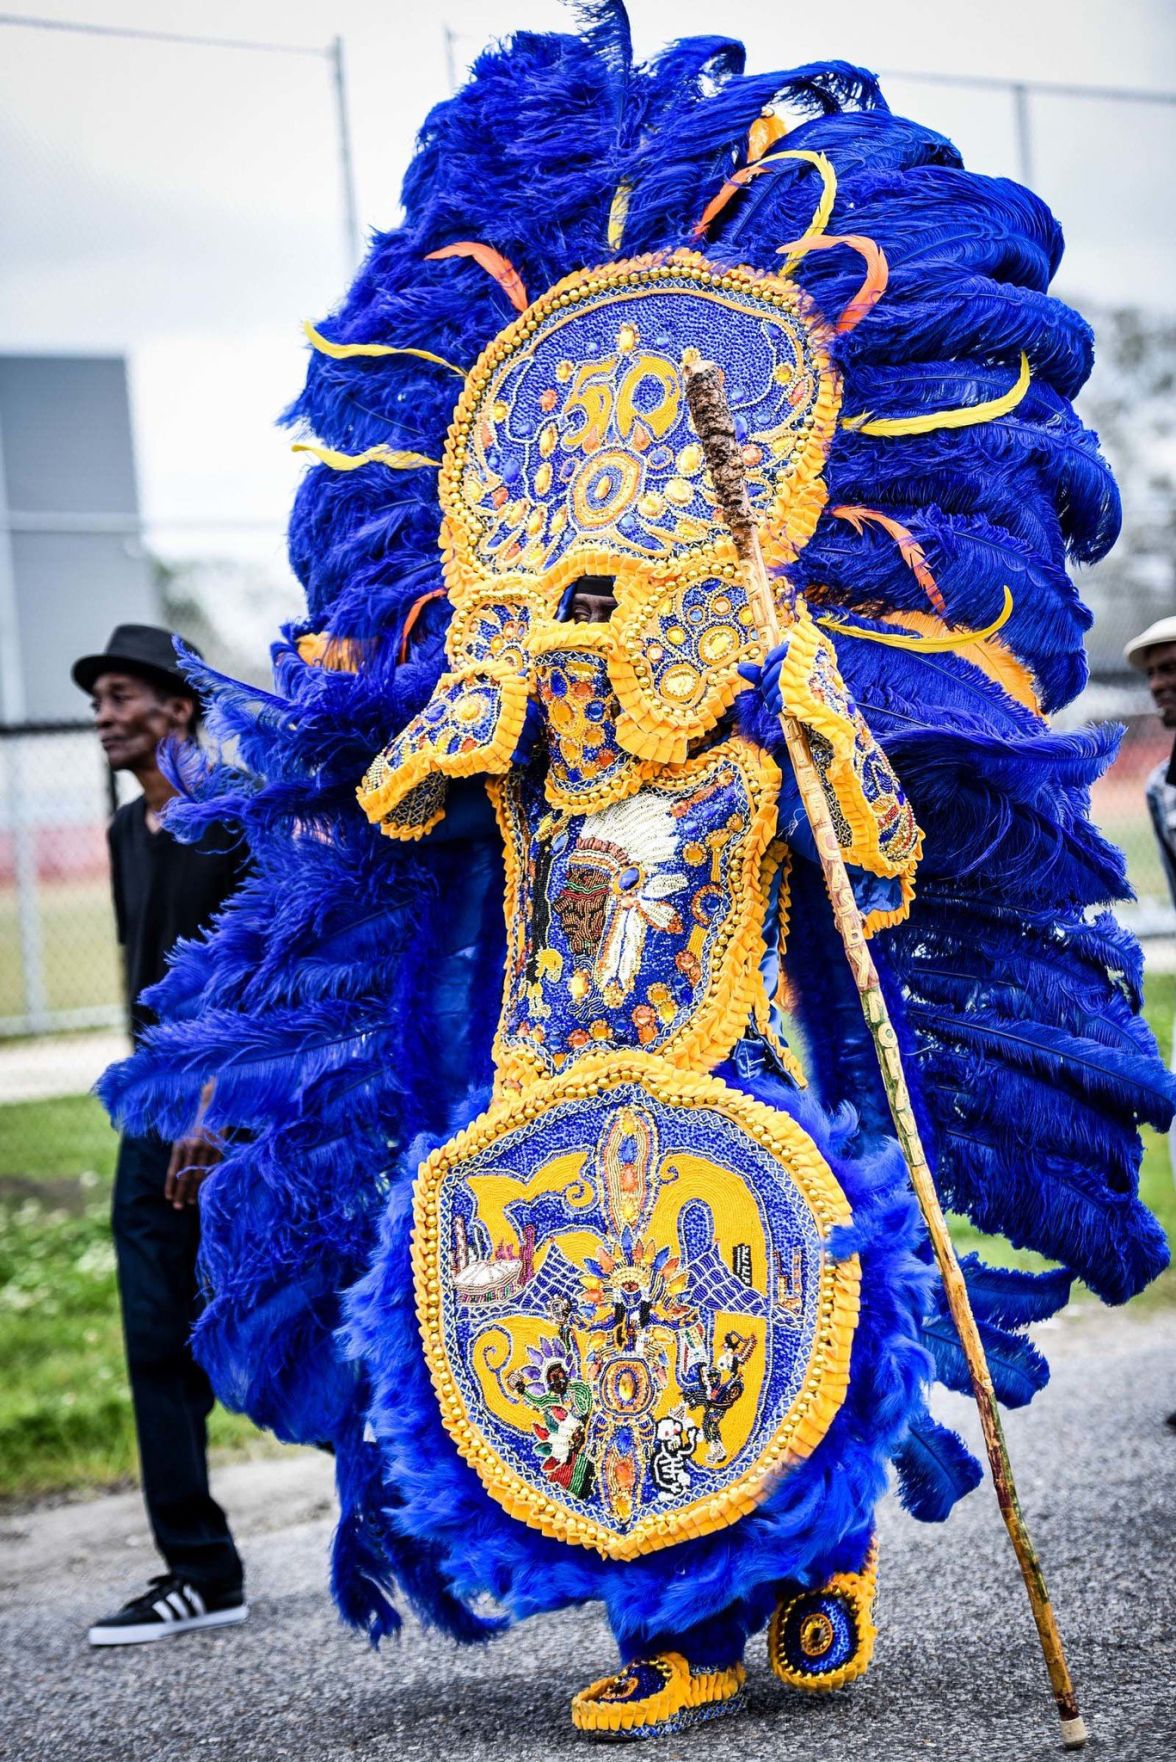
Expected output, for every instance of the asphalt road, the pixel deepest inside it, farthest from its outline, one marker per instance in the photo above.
(957, 1674)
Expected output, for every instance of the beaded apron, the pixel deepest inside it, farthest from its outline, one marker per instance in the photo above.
(631, 1314)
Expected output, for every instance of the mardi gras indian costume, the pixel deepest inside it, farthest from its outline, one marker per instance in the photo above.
(598, 1287)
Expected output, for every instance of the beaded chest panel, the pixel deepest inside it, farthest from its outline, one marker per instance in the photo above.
(638, 925)
(629, 1311)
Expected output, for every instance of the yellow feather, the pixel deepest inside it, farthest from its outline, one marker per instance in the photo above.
(618, 213)
(965, 416)
(957, 639)
(347, 351)
(395, 461)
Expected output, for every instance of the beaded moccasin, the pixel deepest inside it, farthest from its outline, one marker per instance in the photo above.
(652, 1697)
(821, 1639)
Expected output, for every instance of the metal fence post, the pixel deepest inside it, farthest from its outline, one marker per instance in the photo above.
(28, 914)
(346, 167)
(1024, 130)
(16, 795)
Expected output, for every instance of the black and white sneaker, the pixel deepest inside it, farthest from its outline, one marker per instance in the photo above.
(169, 1606)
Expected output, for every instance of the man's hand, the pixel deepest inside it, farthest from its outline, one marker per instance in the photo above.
(192, 1158)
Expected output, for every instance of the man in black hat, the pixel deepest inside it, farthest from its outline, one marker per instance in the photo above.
(163, 890)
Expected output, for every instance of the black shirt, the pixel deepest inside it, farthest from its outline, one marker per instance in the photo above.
(164, 890)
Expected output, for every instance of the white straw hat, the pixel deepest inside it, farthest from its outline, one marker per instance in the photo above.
(1163, 630)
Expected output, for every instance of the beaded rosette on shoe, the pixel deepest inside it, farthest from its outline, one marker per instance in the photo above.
(819, 1640)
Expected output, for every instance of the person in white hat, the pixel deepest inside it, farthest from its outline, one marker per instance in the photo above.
(1153, 652)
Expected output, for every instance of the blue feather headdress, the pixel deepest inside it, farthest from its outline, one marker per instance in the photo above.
(319, 1001)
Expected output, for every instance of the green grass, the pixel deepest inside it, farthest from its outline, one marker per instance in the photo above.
(71, 1137)
(65, 1415)
(65, 1411)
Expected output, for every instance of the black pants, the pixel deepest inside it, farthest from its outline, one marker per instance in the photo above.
(156, 1248)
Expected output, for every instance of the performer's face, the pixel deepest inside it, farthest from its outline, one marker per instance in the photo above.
(592, 602)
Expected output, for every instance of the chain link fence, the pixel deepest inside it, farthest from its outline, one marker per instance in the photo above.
(59, 965)
(62, 1013)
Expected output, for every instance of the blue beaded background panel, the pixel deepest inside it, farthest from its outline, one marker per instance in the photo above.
(582, 434)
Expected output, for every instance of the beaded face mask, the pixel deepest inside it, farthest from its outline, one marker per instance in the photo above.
(572, 453)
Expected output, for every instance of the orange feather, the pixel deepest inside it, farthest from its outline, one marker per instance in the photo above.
(876, 277)
(414, 612)
(910, 549)
(503, 271)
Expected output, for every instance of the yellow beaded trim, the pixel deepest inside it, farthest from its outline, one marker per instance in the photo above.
(519, 593)
(778, 856)
(783, 1053)
(719, 1018)
(859, 1589)
(878, 919)
(784, 998)
(827, 1376)
(385, 785)
(592, 1710)
(416, 814)
(805, 641)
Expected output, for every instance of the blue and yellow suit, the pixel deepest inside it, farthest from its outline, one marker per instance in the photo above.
(649, 1213)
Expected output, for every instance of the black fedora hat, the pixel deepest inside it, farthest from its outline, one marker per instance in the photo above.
(143, 650)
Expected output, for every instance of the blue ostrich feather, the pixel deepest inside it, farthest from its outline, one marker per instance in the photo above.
(935, 1470)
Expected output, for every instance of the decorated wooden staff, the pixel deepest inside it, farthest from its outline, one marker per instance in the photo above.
(716, 432)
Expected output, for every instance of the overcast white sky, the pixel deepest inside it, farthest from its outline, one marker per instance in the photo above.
(182, 204)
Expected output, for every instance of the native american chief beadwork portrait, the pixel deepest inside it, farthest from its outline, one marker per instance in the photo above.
(567, 1191)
